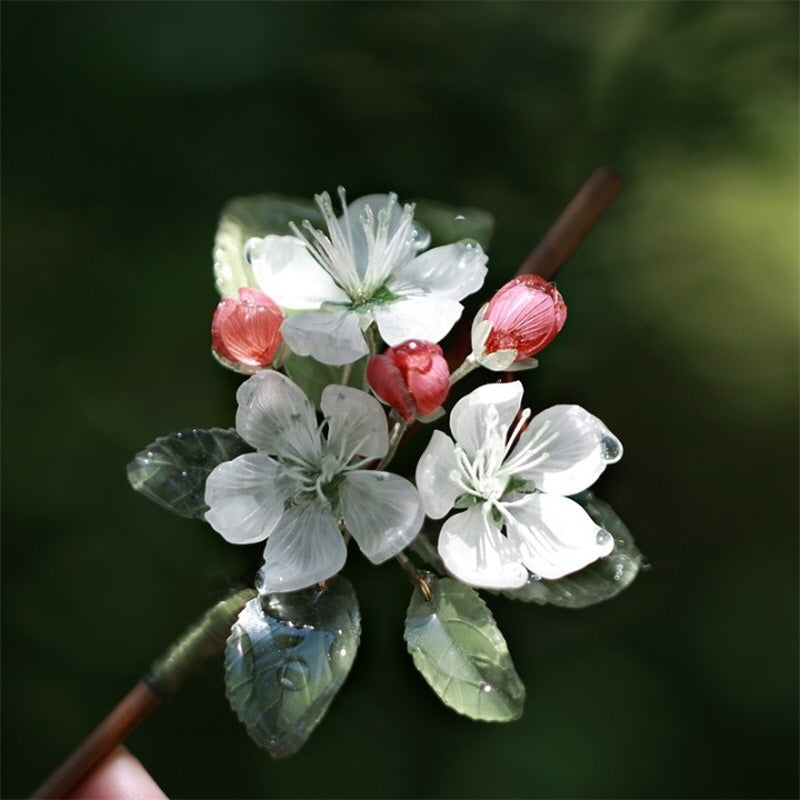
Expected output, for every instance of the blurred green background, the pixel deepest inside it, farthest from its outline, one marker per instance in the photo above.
(126, 127)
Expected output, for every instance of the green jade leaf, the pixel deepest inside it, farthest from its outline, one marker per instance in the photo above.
(460, 652)
(286, 658)
(245, 217)
(312, 376)
(448, 224)
(172, 471)
(601, 580)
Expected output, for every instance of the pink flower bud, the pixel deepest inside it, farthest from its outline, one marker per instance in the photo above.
(412, 377)
(525, 316)
(245, 331)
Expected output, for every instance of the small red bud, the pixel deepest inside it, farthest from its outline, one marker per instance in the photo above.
(245, 331)
(526, 315)
(412, 377)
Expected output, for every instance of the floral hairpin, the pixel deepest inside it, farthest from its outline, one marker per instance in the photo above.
(336, 318)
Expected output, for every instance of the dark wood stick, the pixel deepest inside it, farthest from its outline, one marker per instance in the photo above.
(576, 220)
(557, 246)
(198, 643)
(115, 728)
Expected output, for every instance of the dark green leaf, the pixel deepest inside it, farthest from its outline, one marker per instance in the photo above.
(601, 580)
(447, 224)
(460, 652)
(245, 217)
(312, 376)
(286, 658)
(172, 471)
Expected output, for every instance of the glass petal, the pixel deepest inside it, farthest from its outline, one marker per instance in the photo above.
(172, 471)
(458, 649)
(450, 272)
(602, 580)
(356, 423)
(434, 476)
(242, 219)
(471, 417)
(428, 318)
(287, 657)
(306, 547)
(555, 535)
(578, 447)
(275, 416)
(476, 552)
(332, 337)
(381, 510)
(286, 271)
(245, 498)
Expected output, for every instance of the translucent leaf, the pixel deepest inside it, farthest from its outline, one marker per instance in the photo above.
(312, 376)
(172, 471)
(601, 580)
(245, 217)
(287, 656)
(460, 652)
(447, 224)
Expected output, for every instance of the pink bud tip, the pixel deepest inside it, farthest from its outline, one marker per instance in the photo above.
(412, 377)
(526, 315)
(245, 331)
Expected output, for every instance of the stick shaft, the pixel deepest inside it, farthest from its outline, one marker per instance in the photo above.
(204, 639)
(576, 220)
(117, 725)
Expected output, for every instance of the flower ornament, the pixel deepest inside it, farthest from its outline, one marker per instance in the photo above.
(365, 270)
(413, 378)
(302, 486)
(245, 331)
(522, 318)
(512, 478)
(306, 467)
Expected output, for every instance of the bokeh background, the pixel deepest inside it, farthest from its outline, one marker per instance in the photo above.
(127, 126)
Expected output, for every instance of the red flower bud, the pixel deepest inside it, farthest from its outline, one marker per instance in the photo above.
(245, 331)
(412, 377)
(523, 317)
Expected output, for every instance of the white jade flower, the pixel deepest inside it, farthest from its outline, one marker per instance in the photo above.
(307, 481)
(511, 477)
(365, 270)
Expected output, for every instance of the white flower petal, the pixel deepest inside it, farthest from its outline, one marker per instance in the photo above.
(305, 547)
(476, 552)
(356, 423)
(381, 510)
(578, 447)
(275, 416)
(246, 498)
(449, 272)
(332, 337)
(428, 318)
(498, 361)
(435, 469)
(555, 535)
(483, 413)
(481, 328)
(285, 270)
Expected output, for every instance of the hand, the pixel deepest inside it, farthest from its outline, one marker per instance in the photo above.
(119, 777)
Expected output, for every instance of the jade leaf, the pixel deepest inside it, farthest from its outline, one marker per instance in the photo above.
(312, 376)
(286, 658)
(245, 217)
(448, 224)
(601, 580)
(172, 471)
(460, 652)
